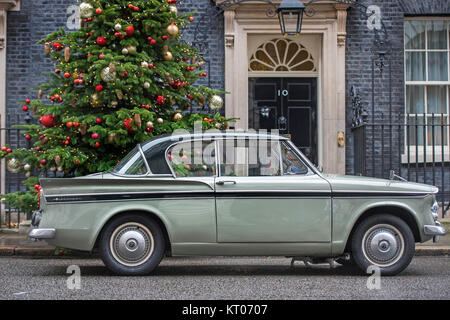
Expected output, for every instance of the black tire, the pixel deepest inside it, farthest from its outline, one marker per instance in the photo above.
(385, 241)
(132, 245)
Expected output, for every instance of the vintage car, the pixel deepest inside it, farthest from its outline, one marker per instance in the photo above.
(234, 194)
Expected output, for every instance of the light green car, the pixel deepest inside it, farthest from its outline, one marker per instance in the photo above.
(234, 194)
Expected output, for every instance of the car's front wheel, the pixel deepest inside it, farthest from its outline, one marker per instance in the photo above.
(132, 244)
(384, 241)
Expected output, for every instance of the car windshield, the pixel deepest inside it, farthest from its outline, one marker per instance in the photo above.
(132, 164)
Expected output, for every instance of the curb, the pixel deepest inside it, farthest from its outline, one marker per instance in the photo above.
(50, 252)
(433, 251)
(26, 251)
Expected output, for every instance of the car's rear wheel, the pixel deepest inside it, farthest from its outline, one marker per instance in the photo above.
(384, 241)
(132, 244)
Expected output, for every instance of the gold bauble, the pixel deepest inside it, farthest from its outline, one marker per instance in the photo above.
(86, 10)
(28, 174)
(108, 74)
(172, 30)
(216, 102)
(146, 85)
(27, 167)
(13, 165)
(160, 120)
(173, 9)
(124, 51)
(112, 137)
(168, 56)
(94, 100)
(178, 116)
(131, 49)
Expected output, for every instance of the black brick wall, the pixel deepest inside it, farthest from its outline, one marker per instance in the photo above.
(359, 66)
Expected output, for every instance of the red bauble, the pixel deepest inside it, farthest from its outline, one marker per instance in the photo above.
(48, 120)
(57, 46)
(97, 144)
(160, 100)
(94, 136)
(191, 19)
(98, 120)
(101, 41)
(28, 137)
(25, 108)
(129, 31)
(43, 162)
(98, 11)
(99, 88)
(67, 75)
(152, 42)
(127, 124)
(28, 101)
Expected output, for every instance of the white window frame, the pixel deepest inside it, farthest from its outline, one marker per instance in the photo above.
(438, 156)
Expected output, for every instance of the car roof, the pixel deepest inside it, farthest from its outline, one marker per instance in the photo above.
(179, 136)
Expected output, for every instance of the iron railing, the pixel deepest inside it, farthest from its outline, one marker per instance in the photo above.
(415, 146)
(11, 182)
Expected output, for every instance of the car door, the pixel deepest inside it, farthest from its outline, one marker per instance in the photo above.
(189, 205)
(265, 193)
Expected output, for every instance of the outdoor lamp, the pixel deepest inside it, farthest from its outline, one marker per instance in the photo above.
(290, 14)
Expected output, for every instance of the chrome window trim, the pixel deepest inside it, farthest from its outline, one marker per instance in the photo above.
(149, 172)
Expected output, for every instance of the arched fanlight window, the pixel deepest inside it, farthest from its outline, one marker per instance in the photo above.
(282, 55)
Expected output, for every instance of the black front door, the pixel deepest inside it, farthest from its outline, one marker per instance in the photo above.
(289, 105)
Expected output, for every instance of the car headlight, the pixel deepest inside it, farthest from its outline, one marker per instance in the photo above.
(434, 210)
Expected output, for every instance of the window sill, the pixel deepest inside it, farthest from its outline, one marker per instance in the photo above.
(438, 158)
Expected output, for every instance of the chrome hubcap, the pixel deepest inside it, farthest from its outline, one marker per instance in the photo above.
(132, 244)
(383, 245)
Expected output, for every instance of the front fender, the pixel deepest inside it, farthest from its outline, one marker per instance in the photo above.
(346, 213)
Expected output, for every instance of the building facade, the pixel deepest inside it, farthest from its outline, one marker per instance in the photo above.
(316, 87)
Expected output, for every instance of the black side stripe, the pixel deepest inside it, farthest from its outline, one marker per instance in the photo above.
(227, 195)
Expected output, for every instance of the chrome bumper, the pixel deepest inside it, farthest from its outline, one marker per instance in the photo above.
(42, 234)
(436, 231)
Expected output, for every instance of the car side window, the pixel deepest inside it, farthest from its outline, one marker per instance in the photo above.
(250, 157)
(132, 165)
(193, 159)
(292, 165)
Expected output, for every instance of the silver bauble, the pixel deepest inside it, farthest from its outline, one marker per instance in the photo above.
(107, 75)
(118, 27)
(173, 9)
(13, 165)
(216, 102)
(86, 10)
(124, 51)
(147, 85)
(27, 167)
(160, 120)
(144, 64)
(149, 124)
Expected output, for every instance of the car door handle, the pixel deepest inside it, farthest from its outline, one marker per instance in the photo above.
(221, 183)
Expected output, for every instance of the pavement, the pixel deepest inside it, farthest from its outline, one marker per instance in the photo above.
(427, 278)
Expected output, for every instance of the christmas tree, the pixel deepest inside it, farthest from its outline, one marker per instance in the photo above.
(125, 76)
